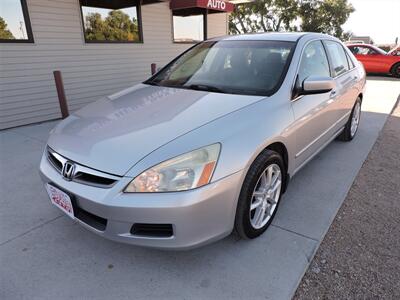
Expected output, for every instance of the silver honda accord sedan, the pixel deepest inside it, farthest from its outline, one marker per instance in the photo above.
(208, 144)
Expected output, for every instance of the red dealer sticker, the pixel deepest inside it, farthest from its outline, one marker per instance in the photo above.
(60, 199)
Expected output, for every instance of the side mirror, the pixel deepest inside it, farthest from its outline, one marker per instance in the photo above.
(317, 85)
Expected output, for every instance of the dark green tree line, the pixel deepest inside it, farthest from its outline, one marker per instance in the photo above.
(325, 16)
(5, 33)
(117, 26)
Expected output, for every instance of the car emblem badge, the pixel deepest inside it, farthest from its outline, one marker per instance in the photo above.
(68, 170)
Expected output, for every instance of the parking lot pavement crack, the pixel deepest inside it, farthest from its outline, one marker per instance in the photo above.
(30, 230)
(296, 233)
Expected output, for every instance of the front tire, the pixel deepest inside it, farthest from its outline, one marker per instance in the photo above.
(260, 195)
(350, 130)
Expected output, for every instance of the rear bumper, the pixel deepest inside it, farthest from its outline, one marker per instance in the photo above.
(197, 217)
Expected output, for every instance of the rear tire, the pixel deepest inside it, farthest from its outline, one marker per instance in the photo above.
(351, 128)
(260, 195)
(395, 70)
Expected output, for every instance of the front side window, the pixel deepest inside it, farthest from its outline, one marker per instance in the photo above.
(338, 58)
(15, 25)
(313, 62)
(235, 67)
(188, 28)
(111, 22)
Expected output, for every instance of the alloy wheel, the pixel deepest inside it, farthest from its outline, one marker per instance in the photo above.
(355, 120)
(265, 196)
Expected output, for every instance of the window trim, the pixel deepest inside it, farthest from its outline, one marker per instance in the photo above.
(28, 27)
(205, 28)
(139, 16)
(350, 61)
(331, 71)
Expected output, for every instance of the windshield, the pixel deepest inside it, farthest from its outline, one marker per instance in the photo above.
(379, 50)
(236, 67)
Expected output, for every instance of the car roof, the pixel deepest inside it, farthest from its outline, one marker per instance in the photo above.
(272, 36)
(359, 44)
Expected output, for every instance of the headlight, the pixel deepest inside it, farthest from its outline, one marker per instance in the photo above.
(184, 172)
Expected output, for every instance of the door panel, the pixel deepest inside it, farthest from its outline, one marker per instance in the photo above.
(376, 62)
(311, 112)
(346, 79)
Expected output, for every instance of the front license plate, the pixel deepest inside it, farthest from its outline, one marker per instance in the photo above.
(60, 199)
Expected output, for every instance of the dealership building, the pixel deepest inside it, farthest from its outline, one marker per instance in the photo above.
(100, 47)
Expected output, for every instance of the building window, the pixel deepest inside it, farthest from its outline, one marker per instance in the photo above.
(15, 26)
(116, 21)
(189, 27)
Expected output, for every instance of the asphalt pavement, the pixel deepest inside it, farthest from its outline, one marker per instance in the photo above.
(45, 255)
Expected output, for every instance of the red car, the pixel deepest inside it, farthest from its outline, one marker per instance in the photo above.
(376, 60)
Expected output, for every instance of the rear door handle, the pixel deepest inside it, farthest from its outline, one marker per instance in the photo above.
(333, 94)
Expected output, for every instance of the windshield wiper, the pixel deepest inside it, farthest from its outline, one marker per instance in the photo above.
(205, 87)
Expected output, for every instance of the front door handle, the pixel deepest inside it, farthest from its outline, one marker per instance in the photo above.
(333, 94)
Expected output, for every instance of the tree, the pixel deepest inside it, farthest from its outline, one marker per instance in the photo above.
(5, 33)
(325, 16)
(263, 15)
(117, 26)
(94, 27)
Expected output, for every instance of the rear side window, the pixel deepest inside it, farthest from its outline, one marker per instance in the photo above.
(338, 58)
(313, 62)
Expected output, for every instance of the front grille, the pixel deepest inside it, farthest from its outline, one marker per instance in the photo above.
(152, 230)
(85, 178)
(82, 174)
(54, 161)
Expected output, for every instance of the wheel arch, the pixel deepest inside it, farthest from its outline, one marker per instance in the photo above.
(277, 146)
(280, 148)
(391, 69)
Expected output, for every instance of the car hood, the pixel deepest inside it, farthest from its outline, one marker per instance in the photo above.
(114, 133)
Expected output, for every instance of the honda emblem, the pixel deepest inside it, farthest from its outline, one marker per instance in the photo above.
(68, 170)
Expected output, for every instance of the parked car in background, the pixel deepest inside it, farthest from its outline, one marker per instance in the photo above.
(375, 60)
(206, 145)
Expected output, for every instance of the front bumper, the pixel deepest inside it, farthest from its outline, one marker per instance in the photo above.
(197, 216)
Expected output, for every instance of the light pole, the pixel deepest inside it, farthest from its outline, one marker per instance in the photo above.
(22, 29)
